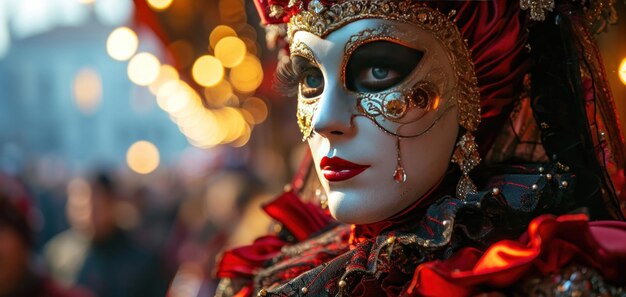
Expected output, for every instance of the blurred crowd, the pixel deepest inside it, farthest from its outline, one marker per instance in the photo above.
(106, 235)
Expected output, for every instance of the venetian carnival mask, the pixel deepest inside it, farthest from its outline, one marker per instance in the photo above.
(381, 97)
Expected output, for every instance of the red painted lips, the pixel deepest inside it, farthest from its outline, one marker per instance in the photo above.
(337, 169)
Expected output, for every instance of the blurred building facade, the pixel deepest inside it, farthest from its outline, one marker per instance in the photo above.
(42, 113)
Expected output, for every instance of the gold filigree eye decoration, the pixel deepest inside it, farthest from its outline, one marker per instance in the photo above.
(394, 105)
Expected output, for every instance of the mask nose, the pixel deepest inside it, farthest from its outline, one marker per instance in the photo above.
(334, 113)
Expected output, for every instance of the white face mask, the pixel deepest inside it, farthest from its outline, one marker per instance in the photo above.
(355, 99)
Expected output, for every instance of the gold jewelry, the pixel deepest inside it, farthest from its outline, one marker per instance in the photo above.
(466, 155)
(399, 175)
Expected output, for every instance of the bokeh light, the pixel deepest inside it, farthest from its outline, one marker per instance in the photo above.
(202, 129)
(220, 32)
(87, 90)
(232, 11)
(113, 12)
(167, 73)
(122, 43)
(142, 157)
(234, 123)
(159, 4)
(243, 138)
(230, 51)
(251, 45)
(173, 96)
(257, 108)
(143, 69)
(622, 71)
(247, 77)
(217, 95)
(246, 30)
(207, 71)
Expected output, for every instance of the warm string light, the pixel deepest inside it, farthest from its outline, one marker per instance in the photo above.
(122, 43)
(143, 69)
(219, 33)
(167, 73)
(207, 71)
(230, 73)
(248, 76)
(143, 157)
(159, 4)
(230, 51)
(622, 71)
(87, 90)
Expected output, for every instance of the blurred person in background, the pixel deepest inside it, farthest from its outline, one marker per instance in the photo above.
(18, 278)
(96, 252)
(221, 211)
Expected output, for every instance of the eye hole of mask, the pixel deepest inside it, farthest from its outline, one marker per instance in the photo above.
(380, 65)
(306, 76)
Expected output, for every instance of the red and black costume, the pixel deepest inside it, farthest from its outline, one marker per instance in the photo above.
(546, 220)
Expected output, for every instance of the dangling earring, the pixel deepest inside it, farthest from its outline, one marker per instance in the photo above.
(399, 175)
(466, 155)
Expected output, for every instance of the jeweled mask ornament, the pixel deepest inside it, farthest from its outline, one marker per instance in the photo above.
(383, 89)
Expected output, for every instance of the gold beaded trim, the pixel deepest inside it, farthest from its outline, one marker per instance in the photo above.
(538, 8)
(306, 106)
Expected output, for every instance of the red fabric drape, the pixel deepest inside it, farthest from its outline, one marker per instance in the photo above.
(549, 244)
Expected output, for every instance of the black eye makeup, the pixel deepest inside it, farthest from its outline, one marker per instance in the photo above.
(380, 65)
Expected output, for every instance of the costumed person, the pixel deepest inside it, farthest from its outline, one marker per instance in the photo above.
(461, 147)
(18, 276)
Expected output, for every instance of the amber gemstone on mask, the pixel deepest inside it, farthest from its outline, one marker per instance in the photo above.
(394, 105)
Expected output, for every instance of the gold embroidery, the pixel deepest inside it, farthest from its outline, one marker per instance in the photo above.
(303, 50)
(538, 8)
